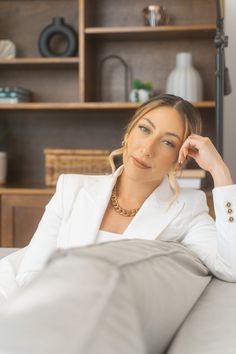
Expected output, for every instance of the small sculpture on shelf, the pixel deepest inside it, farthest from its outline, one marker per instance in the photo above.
(58, 27)
(7, 49)
(141, 91)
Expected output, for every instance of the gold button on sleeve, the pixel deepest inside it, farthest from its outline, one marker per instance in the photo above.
(231, 219)
(229, 211)
(228, 204)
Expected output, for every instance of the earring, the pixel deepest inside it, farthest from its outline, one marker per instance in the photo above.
(122, 143)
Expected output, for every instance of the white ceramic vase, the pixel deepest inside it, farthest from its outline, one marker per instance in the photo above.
(185, 81)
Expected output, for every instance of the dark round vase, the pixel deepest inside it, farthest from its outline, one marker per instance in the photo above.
(58, 27)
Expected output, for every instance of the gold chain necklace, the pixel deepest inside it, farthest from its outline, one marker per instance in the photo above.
(118, 208)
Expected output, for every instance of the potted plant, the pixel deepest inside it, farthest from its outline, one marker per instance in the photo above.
(141, 91)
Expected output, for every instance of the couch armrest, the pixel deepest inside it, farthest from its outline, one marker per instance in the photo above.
(210, 326)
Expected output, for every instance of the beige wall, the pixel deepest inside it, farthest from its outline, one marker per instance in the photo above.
(230, 101)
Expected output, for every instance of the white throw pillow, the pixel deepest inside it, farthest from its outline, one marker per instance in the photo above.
(124, 297)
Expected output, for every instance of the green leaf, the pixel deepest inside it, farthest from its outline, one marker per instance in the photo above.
(137, 84)
(147, 86)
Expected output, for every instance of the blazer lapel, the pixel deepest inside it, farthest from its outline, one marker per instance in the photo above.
(89, 208)
(91, 203)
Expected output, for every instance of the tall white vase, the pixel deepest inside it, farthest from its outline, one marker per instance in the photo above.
(185, 81)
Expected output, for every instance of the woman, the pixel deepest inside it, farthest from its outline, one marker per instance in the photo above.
(141, 199)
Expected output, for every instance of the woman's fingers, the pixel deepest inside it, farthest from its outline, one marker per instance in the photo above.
(190, 147)
(202, 150)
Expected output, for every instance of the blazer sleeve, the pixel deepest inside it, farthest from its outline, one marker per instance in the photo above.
(214, 242)
(19, 267)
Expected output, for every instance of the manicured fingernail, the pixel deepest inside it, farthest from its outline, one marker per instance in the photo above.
(180, 162)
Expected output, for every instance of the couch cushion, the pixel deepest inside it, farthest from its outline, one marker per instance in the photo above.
(126, 296)
(210, 327)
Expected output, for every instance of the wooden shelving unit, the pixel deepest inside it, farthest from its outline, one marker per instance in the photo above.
(66, 87)
(66, 112)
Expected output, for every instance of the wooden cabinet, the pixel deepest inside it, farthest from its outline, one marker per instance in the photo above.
(66, 111)
(21, 212)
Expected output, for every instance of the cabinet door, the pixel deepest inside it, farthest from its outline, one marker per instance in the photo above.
(20, 215)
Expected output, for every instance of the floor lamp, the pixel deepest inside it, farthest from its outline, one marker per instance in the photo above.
(222, 80)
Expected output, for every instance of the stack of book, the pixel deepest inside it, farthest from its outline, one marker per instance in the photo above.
(14, 95)
(191, 178)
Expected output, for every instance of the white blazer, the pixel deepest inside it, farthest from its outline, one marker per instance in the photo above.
(74, 214)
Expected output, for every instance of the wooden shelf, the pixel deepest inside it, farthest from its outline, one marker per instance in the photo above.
(84, 105)
(39, 61)
(204, 104)
(26, 190)
(161, 32)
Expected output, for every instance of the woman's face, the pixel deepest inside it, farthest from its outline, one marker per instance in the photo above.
(153, 145)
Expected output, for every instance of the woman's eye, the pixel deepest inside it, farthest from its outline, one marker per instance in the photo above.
(169, 143)
(144, 129)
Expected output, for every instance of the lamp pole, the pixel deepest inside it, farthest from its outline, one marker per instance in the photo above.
(222, 88)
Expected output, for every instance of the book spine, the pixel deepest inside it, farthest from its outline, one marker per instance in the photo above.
(12, 100)
(13, 94)
(16, 89)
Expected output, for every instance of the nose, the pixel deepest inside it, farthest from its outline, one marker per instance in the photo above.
(149, 148)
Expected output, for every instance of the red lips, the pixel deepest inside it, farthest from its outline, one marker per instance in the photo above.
(140, 163)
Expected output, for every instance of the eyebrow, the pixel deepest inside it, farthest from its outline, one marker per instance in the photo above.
(166, 133)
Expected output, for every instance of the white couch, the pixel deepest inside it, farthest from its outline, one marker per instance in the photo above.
(126, 297)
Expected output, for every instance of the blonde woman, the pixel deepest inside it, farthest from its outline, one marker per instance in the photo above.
(140, 199)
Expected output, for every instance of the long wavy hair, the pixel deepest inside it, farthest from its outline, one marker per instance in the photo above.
(190, 115)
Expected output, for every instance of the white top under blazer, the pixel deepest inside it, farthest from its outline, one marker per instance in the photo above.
(105, 236)
(73, 217)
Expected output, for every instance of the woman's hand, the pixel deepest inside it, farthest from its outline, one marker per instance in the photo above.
(202, 150)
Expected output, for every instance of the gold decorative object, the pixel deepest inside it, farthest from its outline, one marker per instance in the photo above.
(155, 15)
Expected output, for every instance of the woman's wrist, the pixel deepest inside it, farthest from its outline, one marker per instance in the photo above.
(221, 176)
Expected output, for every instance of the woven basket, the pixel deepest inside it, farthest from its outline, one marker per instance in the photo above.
(58, 161)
